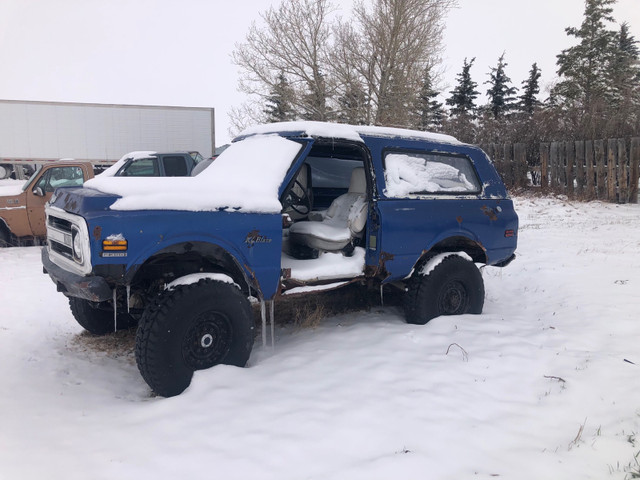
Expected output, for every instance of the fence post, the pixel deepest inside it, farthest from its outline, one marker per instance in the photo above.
(579, 145)
(612, 147)
(598, 147)
(591, 179)
(570, 156)
(544, 166)
(634, 169)
(508, 163)
(553, 160)
(520, 164)
(562, 166)
(623, 171)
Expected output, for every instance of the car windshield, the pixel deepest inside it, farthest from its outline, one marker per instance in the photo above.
(31, 178)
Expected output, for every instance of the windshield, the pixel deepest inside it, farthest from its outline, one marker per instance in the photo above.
(197, 158)
(32, 177)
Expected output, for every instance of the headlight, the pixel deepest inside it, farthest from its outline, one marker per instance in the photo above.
(76, 244)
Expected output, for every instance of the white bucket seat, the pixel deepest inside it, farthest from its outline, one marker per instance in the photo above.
(345, 219)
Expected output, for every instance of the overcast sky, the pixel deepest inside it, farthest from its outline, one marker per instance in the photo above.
(177, 52)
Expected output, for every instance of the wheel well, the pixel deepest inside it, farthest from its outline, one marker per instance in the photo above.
(456, 244)
(183, 259)
(4, 230)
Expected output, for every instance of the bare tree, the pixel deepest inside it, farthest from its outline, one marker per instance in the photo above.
(293, 42)
(386, 51)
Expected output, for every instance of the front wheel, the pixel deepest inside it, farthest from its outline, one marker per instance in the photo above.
(453, 287)
(97, 318)
(5, 237)
(192, 327)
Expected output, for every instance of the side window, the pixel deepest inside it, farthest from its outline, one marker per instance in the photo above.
(408, 174)
(142, 167)
(174, 166)
(61, 177)
(331, 172)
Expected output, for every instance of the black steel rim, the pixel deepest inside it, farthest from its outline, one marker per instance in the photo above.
(208, 340)
(453, 298)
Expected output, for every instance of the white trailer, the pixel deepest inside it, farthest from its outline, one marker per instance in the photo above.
(39, 132)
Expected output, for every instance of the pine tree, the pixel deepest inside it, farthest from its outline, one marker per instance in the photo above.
(625, 68)
(352, 105)
(583, 68)
(463, 96)
(429, 111)
(530, 88)
(501, 94)
(278, 107)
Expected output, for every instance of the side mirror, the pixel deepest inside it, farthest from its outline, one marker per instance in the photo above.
(38, 192)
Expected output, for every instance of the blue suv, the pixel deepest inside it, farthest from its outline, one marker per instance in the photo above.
(288, 209)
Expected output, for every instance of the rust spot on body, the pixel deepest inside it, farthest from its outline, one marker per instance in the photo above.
(97, 232)
(459, 219)
(489, 213)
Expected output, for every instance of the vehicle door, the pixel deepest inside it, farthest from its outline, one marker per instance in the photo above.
(425, 196)
(41, 191)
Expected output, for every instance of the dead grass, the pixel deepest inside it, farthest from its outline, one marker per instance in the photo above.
(114, 345)
(309, 315)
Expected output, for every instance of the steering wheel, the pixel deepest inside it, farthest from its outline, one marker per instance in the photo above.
(300, 204)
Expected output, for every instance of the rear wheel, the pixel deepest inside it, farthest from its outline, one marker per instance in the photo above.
(193, 327)
(98, 318)
(453, 287)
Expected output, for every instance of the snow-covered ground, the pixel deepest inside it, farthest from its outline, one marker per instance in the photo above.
(543, 385)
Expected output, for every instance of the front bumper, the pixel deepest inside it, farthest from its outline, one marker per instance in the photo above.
(90, 287)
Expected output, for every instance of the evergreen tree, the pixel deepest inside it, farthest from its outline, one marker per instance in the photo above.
(352, 105)
(429, 111)
(583, 68)
(463, 96)
(501, 94)
(278, 106)
(625, 68)
(530, 88)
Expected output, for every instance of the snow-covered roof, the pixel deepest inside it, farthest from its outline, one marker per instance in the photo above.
(245, 177)
(345, 131)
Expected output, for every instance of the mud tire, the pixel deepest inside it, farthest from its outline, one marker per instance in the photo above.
(189, 328)
(453, 287)
(97, 320)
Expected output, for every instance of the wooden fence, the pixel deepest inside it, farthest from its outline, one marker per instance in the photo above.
(600, 169)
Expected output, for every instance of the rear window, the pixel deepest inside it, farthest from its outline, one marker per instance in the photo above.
(409, 174)
(331, 172)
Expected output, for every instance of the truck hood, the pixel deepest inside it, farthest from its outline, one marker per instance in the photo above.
(79, 200)
(12, 197)
(246, 177)
(11, 188)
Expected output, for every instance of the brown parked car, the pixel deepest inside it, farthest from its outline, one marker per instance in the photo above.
(22, 216)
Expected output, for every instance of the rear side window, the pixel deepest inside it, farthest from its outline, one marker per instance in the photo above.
(174, 166)
(408, 174)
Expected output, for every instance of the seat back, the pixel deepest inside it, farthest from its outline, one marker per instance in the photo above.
(350, 208)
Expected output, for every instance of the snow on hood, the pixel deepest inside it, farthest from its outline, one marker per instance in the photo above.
(113, 169)
(10, 188)
(347, 132)
(245, 177)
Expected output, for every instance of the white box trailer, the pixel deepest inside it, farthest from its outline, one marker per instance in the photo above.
(38, 132)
